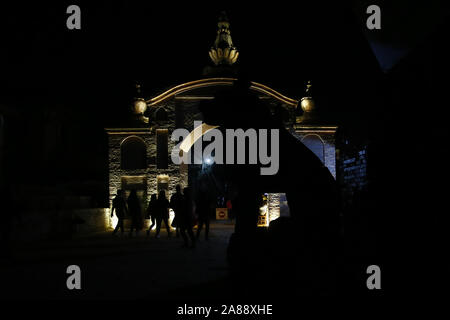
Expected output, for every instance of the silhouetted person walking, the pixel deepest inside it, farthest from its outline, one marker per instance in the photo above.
(176, 202)
(134, 208)
(203, 206)
(185, 218)
(151, 212)
(162, 213)
(119, 205)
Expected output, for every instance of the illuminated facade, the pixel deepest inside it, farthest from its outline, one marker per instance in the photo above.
(139, 152)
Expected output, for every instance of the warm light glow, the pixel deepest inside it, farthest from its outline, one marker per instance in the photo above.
(189, 86)
(227, 55)
(273, 93)
(264, 210)
(263, 220)
(192, 85)
(307, 104)
(114, 220)
(110, 223)
(140, 106)
(162, 178)
(171, 216)
(148, 222)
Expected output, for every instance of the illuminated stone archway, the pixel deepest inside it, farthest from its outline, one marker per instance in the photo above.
(182, 102)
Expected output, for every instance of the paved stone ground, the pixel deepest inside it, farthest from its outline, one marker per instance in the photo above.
(120, 267)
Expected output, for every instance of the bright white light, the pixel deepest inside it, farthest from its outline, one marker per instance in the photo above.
(171, 216)
(264, 210)
(208, 160)
(110, 222)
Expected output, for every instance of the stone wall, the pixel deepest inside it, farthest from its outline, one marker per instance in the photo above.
(329, 149)
(278, 206)
(114, 157)
(274, 206)
(182, 111)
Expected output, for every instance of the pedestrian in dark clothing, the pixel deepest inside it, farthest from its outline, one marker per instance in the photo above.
(151, 212)
(120, 206)
(176, 202)
(134, 208)
(185, 218)
(203, 207)
(162, 213)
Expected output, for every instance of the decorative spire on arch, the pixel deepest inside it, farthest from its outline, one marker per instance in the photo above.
(308, 106)
(223, 52)
(307, 102)
(139, 106)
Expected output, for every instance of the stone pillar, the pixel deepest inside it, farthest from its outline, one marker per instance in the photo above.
(274, 206)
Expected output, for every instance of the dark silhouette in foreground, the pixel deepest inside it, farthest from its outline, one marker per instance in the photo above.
(303, 249)
(120, 207)
(134, 208)
(162, 213)
(185, 218)
(203, 207)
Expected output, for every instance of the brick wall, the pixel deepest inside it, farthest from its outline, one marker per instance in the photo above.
(352, 168)
(327, 139)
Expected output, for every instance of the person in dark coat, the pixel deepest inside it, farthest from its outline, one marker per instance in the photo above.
(176, 202)
(119, 205)
(162, 213)
(185, 218)
(134, 208)
(151, 212)
(203, 207)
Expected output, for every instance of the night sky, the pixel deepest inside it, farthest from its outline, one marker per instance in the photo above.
(164, 45)
(161, 46)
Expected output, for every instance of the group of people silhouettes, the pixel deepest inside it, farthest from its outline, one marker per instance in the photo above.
(186, 210)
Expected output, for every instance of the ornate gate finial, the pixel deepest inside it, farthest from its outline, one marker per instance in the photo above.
(223, 51)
